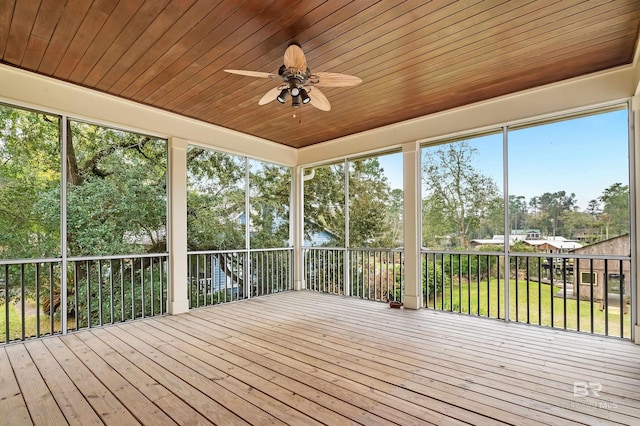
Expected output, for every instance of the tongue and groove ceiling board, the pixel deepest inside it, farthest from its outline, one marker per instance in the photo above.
(415, 57)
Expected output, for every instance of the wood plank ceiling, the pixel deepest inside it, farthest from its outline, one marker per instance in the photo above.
(415, 57)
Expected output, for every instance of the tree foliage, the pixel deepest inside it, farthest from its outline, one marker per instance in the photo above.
(29, 184)
(215, 200)
(375, 210)
(615, 210)
(457, 195)
(116, 193)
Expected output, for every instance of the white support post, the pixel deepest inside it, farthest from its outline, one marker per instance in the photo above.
(412, 226)
(634, 134)
(178, 302)
(298, 230)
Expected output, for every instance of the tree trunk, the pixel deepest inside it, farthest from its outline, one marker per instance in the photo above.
(73, 174)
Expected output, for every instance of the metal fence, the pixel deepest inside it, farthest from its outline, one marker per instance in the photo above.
(99, 290)
(221, 276)
(572, 292)
(376, 274)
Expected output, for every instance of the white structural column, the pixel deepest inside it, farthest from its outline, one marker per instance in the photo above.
(178, 302)
(412, 226)
(635, 134)
(298, 229)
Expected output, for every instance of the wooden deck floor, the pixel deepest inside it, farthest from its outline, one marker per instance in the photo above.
(304, 358)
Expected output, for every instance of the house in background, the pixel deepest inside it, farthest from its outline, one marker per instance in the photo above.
(597, 274)
(555, 244)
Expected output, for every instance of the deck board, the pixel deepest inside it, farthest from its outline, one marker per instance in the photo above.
(309, 358)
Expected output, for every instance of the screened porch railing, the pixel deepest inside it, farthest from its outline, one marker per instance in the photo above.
(221, 276)
(100, 290)
(375, 274)
(573, 292)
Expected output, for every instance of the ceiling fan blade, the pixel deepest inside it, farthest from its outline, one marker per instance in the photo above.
(319, 100)
(294, 58)
(269, 96)
(252, 73)
(334, 79)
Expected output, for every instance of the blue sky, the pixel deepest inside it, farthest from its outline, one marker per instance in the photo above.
(583, 156)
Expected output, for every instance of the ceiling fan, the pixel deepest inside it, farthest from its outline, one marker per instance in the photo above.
(299, 82)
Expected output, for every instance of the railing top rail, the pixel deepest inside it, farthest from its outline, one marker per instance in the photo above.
(23, 261)
(271, 249)
(533, 255)
(465, 252)
(377, 249)
(205, 252)
(571, 256)
(115, 257)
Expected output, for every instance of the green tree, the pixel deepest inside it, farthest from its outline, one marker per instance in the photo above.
(454, 186)
(395, 209)
(324, 198)
(116, 192)
(116, 204)
(552, 205)
(29, 184)
(578, 225)
(215, 200)
(374, 209)
(517, 211)
(269, 203)
(615, 210)
(369, 199)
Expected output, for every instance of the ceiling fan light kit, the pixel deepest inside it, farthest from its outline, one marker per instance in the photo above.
(299, 82)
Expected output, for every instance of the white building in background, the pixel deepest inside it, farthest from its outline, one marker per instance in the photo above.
(555, 244)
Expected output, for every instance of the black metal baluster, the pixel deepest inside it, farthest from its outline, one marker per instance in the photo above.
(51, 322)
(112, 312)
(469, 284)
(142, 285)
(88, 268)
(539, 291)
(526, 264)
(460, 283)
(100, 295)
(553, 324)
(22, 303)
(163, 287)
(451, 283)
(6, 302)
(517, 289)
(488, 286)
(591, 279)
(442, 296)
(152, 287)
(606, 297)
(426, 279)
(76, 283)
(498, 284)
(622, 302)
(479, 263)
(576, 289)
(564, 293)
(37, 299)
(133, 294)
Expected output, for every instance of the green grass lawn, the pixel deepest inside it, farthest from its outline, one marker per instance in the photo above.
(30, 324)
(484, 302)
